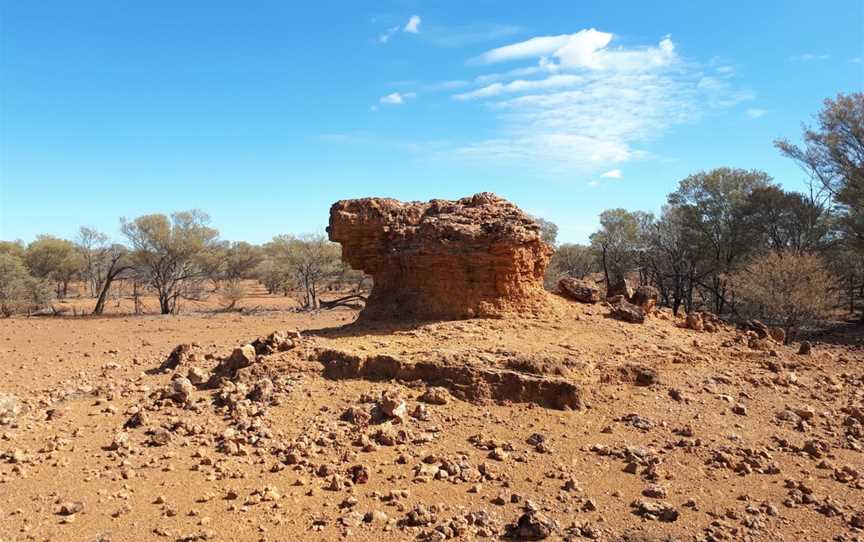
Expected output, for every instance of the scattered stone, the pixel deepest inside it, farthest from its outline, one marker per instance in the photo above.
(531, 525)
(655, 492)
(182, 354)
(69, 508)
(436, 395)
(805, 348)
(626, 311)
(181, 390)
(655, 510)
(196, 376)
(9, 408)
(392, 405)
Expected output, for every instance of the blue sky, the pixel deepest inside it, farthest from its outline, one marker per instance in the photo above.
(263, 113)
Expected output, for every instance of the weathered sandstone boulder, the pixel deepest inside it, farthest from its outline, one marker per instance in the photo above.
(626, 311)
(580, 290)
(479, 256)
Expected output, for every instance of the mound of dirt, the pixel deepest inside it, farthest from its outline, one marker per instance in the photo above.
(480, 256)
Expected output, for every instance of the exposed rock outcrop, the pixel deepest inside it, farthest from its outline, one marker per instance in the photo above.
(471, 382)
(479, 256)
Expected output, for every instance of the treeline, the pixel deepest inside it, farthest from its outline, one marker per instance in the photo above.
(173, 257)
(732, 241)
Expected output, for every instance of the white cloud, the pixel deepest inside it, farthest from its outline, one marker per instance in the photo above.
(396, 98)
(594, 184)
(583, 105)
(586, 49)
(521, 85)
(413, 25)
(534, 47)
(755, 113)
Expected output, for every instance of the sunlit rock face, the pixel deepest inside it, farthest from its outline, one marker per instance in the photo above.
(480, 256)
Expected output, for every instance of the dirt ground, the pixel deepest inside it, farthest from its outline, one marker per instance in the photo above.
(666, 433)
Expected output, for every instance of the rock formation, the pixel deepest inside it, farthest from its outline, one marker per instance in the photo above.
(479, 256)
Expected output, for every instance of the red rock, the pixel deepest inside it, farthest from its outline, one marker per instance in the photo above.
(479, 256)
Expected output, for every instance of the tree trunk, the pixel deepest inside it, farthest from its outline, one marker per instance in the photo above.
(106, 288)
(606, 269)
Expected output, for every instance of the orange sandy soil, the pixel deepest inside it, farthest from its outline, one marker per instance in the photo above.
(734, 443)
(120, 302)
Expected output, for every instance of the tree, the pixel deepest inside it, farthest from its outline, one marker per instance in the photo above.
(92, 245)
(51, 258)
(168, 252)
(115, 262)
(15, 248)
(548, 230)
(833, 156)
(788, 219)
(13, 287)
(571, 260)
(671, 258)
(19, 291)
(241, 259)
(273, 276)
(713, 207)
(618, 240)
(310, 260)
(231, 294)
(784, 288)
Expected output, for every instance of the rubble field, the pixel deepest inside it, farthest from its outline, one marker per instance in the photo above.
(569, 425)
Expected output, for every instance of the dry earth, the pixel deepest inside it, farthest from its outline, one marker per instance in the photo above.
(583, 426)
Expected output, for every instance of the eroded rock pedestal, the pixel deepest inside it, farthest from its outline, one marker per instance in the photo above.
(479, 256)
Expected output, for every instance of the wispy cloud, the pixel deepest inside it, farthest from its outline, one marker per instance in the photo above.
(413, 25)
(579, 104)
(808, 57)
(522, 85)
(755, 113)
(461, 36)
(385, 36)
(396, 98)
(612, 174)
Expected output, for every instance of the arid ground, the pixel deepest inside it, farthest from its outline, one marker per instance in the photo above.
(583, 426)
